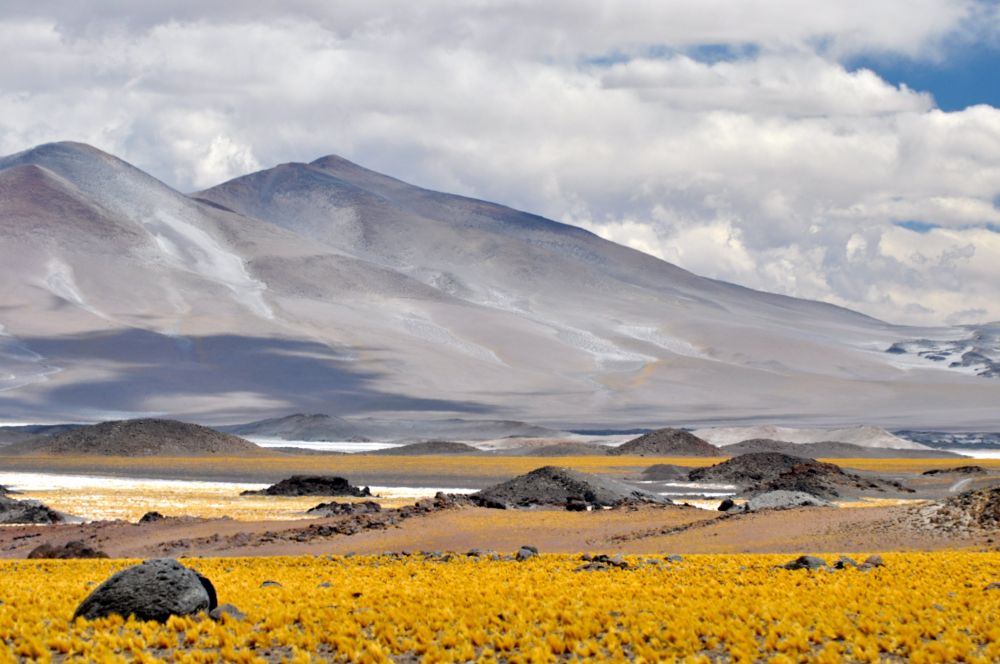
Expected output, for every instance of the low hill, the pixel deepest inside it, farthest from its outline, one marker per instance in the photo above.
(666, 442)
(430, 448)
(563, 449)
(830, 450)
(142, 437)
(865, 436)
(316, 427)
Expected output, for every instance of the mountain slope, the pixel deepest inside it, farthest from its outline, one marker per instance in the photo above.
(326, 287)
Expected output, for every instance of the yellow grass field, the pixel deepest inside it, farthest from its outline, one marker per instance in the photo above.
(420, 466)
(929, 607)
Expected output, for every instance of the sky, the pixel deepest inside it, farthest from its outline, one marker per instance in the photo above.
(842, 151)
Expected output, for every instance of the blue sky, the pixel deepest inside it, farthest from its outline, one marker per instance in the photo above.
(966, 75)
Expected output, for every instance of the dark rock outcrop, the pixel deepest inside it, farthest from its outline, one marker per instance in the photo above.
(151, 517)
(27, 511)
(958, 470)
(73, 549)
(552, 485)
(667, 442)
(345, 509)
(311, 485)
(153, 590)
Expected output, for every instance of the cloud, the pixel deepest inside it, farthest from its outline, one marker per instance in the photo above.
(728, 137)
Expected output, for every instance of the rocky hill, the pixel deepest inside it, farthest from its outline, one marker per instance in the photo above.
(311, 285)
(772, 471)
(552, 485)
(666, 442)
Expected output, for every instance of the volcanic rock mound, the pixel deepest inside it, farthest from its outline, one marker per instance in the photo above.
(667, 442)
(143, 437)
(311, 485)
(552, 485)
(27, 511)
(772, 471)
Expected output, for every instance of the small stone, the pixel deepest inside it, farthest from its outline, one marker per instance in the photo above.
(526, 552)
(226, 610)
(270, 584)
(674, 558)
(805, 562)
(993, 586)
(874, 561)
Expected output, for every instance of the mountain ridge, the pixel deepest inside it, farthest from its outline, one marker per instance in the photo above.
(329, 287)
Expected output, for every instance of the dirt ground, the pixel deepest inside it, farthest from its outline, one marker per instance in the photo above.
(645, 530)
(675, 529)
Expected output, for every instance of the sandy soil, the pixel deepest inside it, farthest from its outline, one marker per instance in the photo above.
(646, 530)
(675, 529)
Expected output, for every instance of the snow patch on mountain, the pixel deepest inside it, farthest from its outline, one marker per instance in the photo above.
(654, 335)
(977, 352)
(431, 331)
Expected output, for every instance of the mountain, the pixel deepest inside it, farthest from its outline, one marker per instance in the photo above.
(865, 436)
(327, 287)
(359, 429)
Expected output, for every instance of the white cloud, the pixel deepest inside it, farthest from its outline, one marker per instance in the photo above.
(775, 167)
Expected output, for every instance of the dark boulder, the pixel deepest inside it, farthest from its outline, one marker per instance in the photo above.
(153, 590)
(311, 485)
(73, 549)
(726, 505)
(151, 517)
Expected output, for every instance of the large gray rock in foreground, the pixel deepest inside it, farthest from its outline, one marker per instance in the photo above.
(553, 485)
(154, 590)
